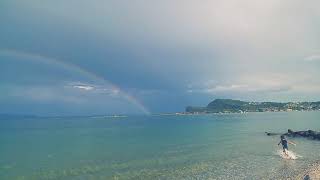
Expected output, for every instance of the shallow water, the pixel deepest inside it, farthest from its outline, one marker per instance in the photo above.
(230, 146)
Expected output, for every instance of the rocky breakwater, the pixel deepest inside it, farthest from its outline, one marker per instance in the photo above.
(307, 134)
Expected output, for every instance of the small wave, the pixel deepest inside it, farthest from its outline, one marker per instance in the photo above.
(288, 155)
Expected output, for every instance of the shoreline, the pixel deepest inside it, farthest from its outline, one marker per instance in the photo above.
(226, 113)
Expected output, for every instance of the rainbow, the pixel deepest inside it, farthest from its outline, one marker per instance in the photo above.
(73, 68)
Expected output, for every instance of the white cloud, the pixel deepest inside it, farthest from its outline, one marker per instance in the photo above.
(239, 88)
(299, 86)
(79, 93)
(263, 83)
(45, 94)
(95, 88)
(110, 91)
(232, 87)
(315, 57)
(84, 87)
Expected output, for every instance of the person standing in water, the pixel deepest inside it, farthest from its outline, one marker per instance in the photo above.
(284, 142)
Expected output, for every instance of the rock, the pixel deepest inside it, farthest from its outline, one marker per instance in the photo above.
(308, 134)
(272, 134)
(290, 131)
(307, 177)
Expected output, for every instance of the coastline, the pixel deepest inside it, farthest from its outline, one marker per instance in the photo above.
(225, 113)
(238, 106)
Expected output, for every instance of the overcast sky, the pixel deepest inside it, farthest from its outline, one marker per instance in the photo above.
(81, 57)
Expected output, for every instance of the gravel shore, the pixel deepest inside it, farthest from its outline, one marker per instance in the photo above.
(312, 173)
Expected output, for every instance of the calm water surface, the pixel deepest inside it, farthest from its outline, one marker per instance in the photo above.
(231, 146)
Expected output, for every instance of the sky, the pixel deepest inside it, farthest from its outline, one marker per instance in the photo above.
(82, 57)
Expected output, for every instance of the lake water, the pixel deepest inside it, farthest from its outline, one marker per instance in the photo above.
(229, 146)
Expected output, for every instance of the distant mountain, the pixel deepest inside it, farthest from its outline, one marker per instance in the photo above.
(237, 106)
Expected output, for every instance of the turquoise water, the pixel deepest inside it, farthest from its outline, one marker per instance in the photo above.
(230, 146)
